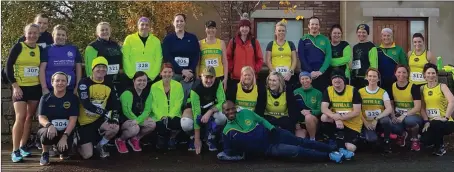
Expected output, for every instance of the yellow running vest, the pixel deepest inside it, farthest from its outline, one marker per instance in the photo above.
(211, 56)
(281, 57)
(403, 100)
(372, 104)
(246, 100)
(276, 107)
(26, 68)
(436, 103)
(342, 104)
(416, 64)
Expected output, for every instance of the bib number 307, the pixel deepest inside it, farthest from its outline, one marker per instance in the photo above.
(31, 71)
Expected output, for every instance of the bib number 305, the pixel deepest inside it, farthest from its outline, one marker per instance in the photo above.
(182, 61)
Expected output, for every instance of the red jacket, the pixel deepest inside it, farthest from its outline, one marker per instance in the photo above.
(243, 56)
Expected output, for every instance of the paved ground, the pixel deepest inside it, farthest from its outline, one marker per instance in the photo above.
(150, 160)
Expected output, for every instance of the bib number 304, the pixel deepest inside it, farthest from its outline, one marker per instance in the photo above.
(60, 124)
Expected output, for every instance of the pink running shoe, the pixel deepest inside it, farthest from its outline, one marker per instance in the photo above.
(402, 139)
(134, 143)
(121, 146)
(415, 146)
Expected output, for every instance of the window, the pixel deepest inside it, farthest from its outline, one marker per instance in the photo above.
(403, 30)
(264, 30)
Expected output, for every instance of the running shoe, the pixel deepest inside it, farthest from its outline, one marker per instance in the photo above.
(211, 142)
(402, 139)
(103, 151)
(387, 147)
(440, 151)
(348, 155)
(25, 152)
(64, 156)
(191, 146)
(44, 159)
(135, 144)
(336, 157)
(121, 146)
(415, 145)
(16, 156)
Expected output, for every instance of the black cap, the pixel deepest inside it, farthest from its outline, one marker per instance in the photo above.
(336, 73)
(210, 23)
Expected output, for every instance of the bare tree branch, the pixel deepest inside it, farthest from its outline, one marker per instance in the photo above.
(255, 6)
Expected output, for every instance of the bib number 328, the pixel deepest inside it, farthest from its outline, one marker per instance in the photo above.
(142, 66)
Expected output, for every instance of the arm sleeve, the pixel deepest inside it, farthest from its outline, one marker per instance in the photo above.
(126, 49)
(195, 105)
(167, 53)
(113, 103)
(195, 55)
(13, 55)
(291, 103)
(85, 100)
(74, 111)
(345, 59)
(231, 93)
(299, 102)
(78, 58)
(261, 120)
(261, 100)
(304, 64)
(356, 97)
(415, 92)
(126, 104)
(269, 47)
(230, 55)
(328, 57)
(292, 46)
(90, 54)
(146, 111)
(373, 57)
(157, 58)
(403, 57)
(258, 57)
(386, 96)
(42, 106)
(178, 100)
(325, 97)
(44, 55)
(220, 96)
(318, 106)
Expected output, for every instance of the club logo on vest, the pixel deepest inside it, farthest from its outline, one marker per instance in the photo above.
(313, 100)
(416, 59)
(66, 105)
(70, 54)
(394, 52)
(322, 42)
(430, 93)
(276, 103)
(32, 53)
(247, 122)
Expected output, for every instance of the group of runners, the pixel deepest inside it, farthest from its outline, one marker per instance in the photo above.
(190, 91)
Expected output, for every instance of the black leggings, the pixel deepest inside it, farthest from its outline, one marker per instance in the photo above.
(164, 130)
(42, 133)
(341, 136)
(438, 130)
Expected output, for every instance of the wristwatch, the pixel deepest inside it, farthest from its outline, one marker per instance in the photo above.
(291, 72)
(66, 134)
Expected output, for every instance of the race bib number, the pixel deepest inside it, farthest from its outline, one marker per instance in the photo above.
(60, 124)
(113, 69)
(417, 76)
(282, 69)
(142, 66)
(99, 105)
(401, 111)
(371, 114)
(182, 61)
(31, 71)
(432, 113)
(212, 62)
(343, 113)
(356, 64)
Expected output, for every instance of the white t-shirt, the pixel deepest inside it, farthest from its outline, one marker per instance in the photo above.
(385, 96)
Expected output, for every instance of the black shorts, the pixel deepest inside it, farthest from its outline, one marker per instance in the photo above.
(30, 93)
(90, 133)
(350, 136)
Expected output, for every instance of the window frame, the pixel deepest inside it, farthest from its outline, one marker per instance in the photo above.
(257, 20)
(409, 20)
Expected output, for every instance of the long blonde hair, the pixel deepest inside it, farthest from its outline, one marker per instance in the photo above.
(250, 69)
(281, 81)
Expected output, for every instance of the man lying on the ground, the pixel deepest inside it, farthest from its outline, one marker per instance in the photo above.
(246, 132)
